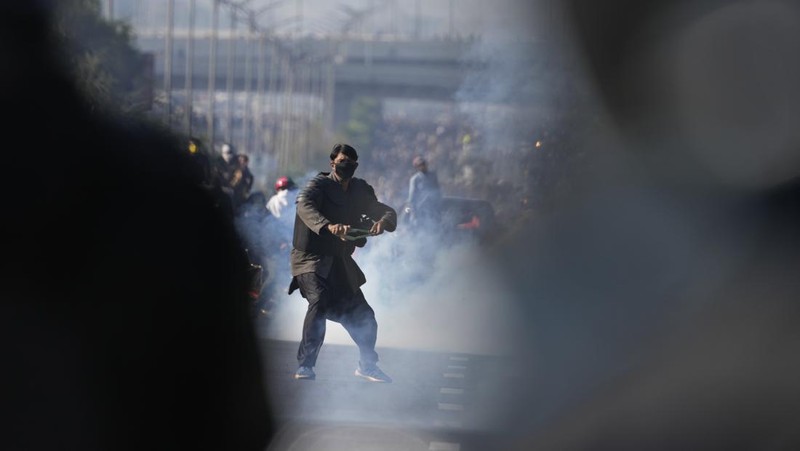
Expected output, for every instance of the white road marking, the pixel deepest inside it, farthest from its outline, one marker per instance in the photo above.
(444, 446)
(451, 391)
(451, 406)
(448, 424)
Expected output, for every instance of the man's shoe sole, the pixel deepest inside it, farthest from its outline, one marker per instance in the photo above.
(310, 378)
(370, 378)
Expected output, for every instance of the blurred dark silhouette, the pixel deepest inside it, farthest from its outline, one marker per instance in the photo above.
(663, 297)
(241, 182)
(124, 316)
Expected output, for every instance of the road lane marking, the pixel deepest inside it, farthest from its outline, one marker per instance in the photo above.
(451, 391)
(459, 359)
(454, 375)
(444, 446)
(451, 406)
(448, 424)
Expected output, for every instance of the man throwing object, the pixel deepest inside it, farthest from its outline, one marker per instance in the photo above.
(322, 265)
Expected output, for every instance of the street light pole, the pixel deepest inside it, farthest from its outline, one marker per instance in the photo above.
(212, 72)
(168, 64)
(189, 66)
(300, 17)
(451, 31)
(230, 74)
(259, 122)
(247, 91)
(417, 19)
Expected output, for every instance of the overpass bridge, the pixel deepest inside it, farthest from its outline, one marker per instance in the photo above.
(338, 70)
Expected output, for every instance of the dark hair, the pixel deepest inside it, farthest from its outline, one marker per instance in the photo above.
(346, 149)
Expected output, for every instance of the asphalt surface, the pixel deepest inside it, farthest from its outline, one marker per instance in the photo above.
(437, 401)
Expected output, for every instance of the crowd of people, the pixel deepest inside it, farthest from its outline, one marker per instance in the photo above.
(412, 163)
(517, 174)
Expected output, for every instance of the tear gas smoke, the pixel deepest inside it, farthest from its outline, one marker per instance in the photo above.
(426, 294)
(433, 296)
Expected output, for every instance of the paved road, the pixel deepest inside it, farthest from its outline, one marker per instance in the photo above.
(438, 401)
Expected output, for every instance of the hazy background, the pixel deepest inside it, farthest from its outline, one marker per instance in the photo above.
(647, 293)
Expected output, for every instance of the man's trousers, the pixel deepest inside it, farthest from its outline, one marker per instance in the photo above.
(331, 299)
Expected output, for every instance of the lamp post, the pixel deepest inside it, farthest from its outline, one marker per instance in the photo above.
(229, 77)
(189, 66)
(212, 72)
(168, 63)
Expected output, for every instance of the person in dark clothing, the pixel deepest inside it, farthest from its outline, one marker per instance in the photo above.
(241, 181)
(124, 320)
(225, 163)
(210, 179)
(323, 269)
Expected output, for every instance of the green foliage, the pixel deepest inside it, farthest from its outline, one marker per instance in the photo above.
(365, 114)
(101, 56)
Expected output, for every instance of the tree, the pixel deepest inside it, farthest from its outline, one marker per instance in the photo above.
(100, 54)
(364, 117)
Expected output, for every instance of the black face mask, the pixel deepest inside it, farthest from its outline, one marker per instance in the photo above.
(346, 168)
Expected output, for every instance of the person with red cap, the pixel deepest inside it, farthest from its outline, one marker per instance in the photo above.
(283, 199)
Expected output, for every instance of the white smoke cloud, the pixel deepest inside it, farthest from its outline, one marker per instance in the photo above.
(426, 293)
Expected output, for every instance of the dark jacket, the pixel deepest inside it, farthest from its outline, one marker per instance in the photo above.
(241, 185)
(321, 202)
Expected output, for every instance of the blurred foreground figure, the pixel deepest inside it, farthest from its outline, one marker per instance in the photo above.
(124, 320)
(664, 300)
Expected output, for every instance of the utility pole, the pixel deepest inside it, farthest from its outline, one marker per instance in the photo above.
(168, 64)
(247, 90)
(261, 62)
(189, 66)
(300, 17)
(417, 19)
(371, 15)
(393, 18)
(229, 87)
(286, 127)
(271, 98)
(330, 86)
(212, 73)
(451, 28)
